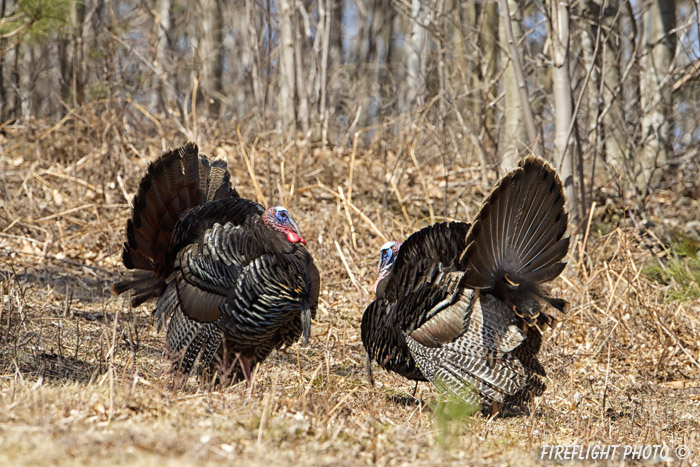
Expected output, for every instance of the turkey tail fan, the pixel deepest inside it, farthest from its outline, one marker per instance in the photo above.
(515, 244)
(175, 183)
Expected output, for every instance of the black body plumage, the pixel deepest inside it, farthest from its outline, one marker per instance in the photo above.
(227, 284)
(463, 304)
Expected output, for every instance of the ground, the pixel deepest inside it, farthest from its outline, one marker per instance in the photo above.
(82, 374)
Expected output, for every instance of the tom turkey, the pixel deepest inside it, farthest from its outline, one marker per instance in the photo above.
(233, 280)
(462, 305)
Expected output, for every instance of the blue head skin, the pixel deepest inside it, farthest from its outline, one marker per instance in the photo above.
(387, 257)
(278, 218)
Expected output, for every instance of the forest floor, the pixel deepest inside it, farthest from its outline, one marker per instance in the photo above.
(82, 374)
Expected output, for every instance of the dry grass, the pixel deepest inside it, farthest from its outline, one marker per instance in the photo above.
(82, 379)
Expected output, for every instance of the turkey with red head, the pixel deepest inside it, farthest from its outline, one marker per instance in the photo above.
(233, 280)
(462, 305)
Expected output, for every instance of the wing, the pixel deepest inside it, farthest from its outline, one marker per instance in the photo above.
(187, 340)
(194, 225)
(384, 342)
(426, 254)
(442, 243)
(271, 299)
(385, 324)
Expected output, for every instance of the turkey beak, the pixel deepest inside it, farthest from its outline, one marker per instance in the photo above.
(306, 324)
(382, 261)
(296, 229)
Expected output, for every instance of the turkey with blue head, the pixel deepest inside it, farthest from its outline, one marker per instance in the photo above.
(463, 306)
(233, 280)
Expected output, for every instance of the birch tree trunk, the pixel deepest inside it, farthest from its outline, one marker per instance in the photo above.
(656, 95)
(588, 47)
(491, 53)
(163, 93)
(563, 102)
(614, 118)
(456, 45)
(325, 13)
(514, 135)
(26, 80)
(286, 68)
(415, 58)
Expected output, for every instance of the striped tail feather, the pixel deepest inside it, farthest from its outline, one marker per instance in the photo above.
(187, 340)
(516, 242)
(469, 348)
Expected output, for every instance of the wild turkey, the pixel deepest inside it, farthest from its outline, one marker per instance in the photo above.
(233, 280)
(462, 305)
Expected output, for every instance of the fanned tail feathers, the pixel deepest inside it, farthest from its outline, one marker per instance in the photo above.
(174, 183)
(516, 242)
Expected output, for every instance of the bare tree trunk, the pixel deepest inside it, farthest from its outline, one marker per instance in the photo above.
(445, 94)
(254, 49)
(325, 13)
(471, 76)
(77, 53)
(630, 45)
(491, 53)
(336, 50)
(590, 14)
(614, 118)
(415, 58)
(163, 92)
(26, 80)
(3, 92)
(515, 133)
(379, 39)
(16, 111)
(210, 55)
(54, 85)
(384, 60)
(89, 22)
(656, 97)
(563, 102)
(300, 78)
(458, 50)
(286, 69)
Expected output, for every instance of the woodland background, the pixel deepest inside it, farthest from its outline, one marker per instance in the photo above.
(368, 120)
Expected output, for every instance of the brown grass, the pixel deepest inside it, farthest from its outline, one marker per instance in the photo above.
(83, 381)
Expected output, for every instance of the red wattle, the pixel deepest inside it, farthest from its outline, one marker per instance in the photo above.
(294, 238)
